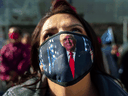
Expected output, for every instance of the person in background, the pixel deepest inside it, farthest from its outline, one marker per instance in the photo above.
(123, 65)
(14, 58)
(107, 39)
(105, 61)
(113, 67)
(114, 52)
(26, 39)
(91, 79)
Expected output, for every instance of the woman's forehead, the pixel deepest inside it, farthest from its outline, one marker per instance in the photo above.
(60, 20)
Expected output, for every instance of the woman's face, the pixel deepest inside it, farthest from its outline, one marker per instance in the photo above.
(58, 23)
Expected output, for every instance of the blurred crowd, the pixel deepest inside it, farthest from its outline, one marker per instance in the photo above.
(115, 57)
(15, 58)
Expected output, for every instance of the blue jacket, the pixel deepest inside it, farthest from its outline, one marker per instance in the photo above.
(105, 84)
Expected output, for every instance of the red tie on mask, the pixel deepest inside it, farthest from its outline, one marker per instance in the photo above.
(72, 64)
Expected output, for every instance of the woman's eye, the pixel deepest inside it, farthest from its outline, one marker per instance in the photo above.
(76, 29)
(47, 36)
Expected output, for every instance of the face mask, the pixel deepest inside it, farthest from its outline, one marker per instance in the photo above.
(67, 57)
(13, 35)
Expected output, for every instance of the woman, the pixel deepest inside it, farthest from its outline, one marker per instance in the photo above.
(57, 78)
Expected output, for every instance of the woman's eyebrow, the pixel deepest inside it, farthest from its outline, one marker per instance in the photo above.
(53, 28)
(49, 29)
(75, 25)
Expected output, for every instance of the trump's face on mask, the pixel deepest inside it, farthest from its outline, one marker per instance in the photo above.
(68, 41)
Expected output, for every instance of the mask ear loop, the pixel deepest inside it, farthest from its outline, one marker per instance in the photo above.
(41, 67)
(91, 52)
